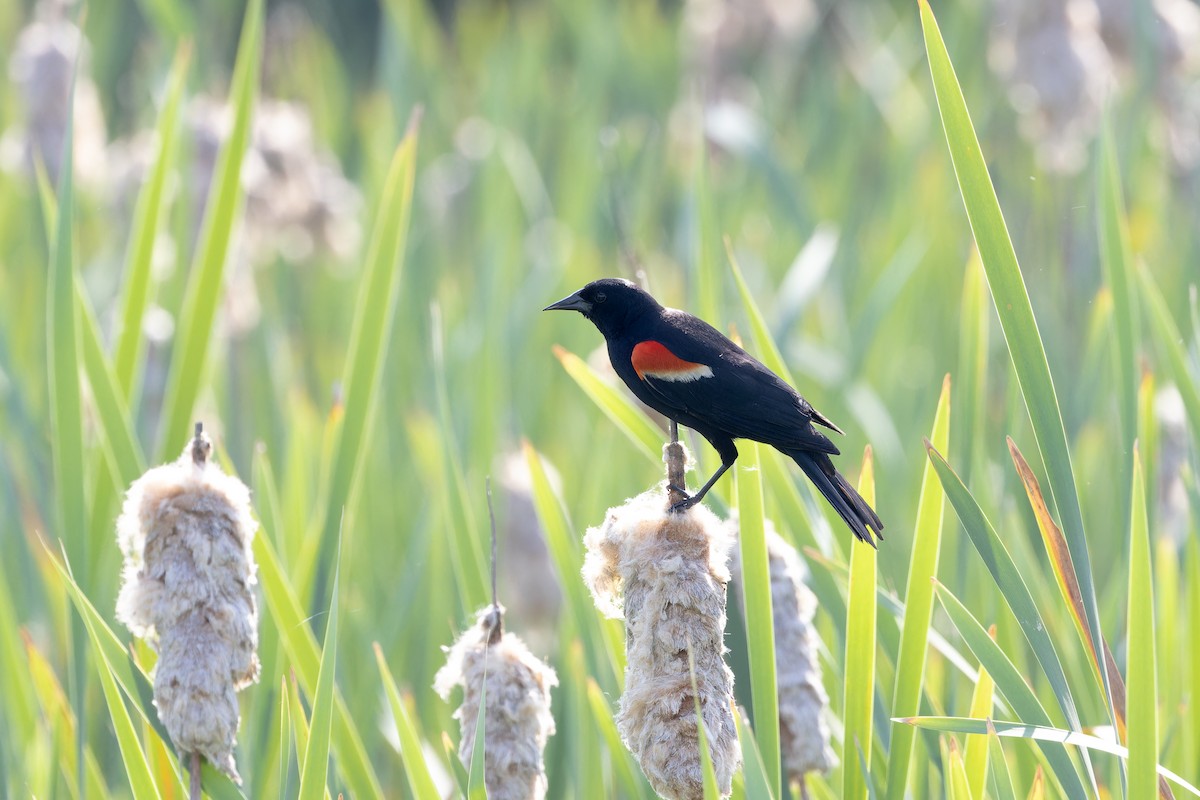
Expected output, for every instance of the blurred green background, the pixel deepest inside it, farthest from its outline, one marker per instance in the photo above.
(561, 142)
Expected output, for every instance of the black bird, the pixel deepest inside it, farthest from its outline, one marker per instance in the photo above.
(686, 369)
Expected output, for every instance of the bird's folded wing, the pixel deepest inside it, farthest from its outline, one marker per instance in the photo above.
(745, 404)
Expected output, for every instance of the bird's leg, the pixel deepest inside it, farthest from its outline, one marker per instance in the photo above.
(728, 456)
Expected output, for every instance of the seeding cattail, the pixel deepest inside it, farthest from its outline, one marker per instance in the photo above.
(185, 531)
(528, 580)
(803, 732)
(1058, 71)
(517, 720)
(43, 68)
(666, 573)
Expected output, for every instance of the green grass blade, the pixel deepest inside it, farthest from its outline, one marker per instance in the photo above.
(66, 407)
(1016, 314)
(285, 732)
(119, 440)
(378, 292)
(768, 350)
(1192, 566)
(709, 777)
(1012, 685)
(1116, 258)
(1042, 734)
(956, 773)
(566, 551)
(754, 772)
(968, 429)
(415, 769)
(1170, 344)
(300, 644)
(617, 406)
(975, 757)
(756, 601)
(300, 729)
(918, 604)
(199, 310)
(137, 768)
(1142, 715)
(477, 773)
(627, 774)
(1000, 782)
(859, 702)
(1008, 578)
(457, 770)
(152, 208)
(316, 754)
(1064, 572)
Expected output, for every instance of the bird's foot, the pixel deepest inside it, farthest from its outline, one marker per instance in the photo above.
(683, 505)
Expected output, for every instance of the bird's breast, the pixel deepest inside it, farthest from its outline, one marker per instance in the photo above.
(652, 359)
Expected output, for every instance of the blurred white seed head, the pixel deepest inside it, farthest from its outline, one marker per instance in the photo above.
(666, 573)
(41, 67)
(1058, 73)
(527, 575)
(185, 531)
(803, 703)
(517, 720)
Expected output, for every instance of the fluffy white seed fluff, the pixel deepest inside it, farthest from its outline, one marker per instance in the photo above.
(517, 720)
(666, 574)
(803, 731)
(189, 574)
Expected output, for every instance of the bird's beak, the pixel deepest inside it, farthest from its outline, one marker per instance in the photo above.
(571, 303)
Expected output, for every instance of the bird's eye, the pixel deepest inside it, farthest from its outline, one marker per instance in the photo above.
(600, 298)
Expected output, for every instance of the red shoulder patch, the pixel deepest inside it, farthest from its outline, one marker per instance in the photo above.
(653, 359)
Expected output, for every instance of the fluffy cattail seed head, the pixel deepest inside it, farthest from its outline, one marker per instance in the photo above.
(189, 574)
(803, 731)
(665, 573)
(517, 720)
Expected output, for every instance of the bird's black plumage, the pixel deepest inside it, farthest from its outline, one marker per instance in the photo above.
(689, 371)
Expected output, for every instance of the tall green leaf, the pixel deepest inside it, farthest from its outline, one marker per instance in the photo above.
(1008, 579)
(756, 600)
(66, 409)
(376, 307)
(1171, 344)
(975, 757)
(151, 210)
(1142, 713)
(199, 311)
(859, 701)
(1039, 733)
(1012, 685)
(918, 604)
(415, 769)
(1116, 258)
(316, 752)
(119, 440)
(647, 438)
(1013, 307)
(296, 636)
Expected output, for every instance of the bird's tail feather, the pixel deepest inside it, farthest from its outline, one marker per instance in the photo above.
(849, 504)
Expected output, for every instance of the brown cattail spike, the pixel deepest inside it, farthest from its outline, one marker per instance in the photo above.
(189, 577)
(517, 720)
(665, 574)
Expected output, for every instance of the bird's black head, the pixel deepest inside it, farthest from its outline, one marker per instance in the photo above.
(612, 304)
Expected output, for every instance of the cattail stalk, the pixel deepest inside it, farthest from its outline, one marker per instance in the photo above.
(189, 574)
(517, 720)
(665, 573)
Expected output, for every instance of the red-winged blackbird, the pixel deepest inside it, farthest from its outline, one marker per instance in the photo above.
(686, 369)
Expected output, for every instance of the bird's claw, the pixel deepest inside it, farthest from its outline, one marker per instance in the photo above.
(683, 505)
